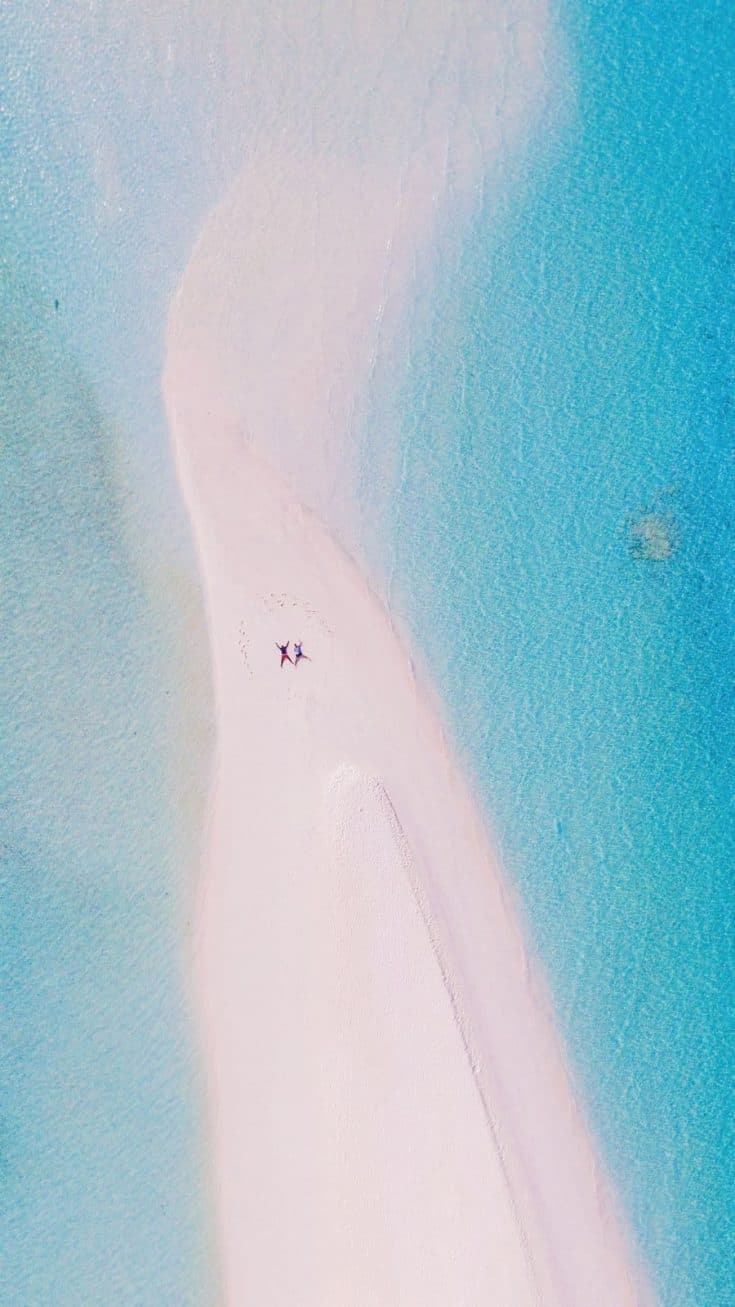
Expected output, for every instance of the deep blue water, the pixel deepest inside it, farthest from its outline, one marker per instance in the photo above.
(585, 386)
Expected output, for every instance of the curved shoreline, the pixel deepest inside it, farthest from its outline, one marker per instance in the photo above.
(391, 1115)
(327, 1024)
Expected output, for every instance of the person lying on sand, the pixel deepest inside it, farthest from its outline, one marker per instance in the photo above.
(285, 655)
(299, 653)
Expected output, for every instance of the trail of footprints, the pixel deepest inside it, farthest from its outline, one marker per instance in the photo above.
(285, 603)
(244, 647)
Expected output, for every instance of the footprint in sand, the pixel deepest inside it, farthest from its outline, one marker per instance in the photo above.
(244, 647)
(284, 602)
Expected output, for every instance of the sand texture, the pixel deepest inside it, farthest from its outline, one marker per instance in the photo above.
(391, 1118)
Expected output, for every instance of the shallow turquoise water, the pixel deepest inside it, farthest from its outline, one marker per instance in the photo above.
(104, 698)
(583, 386)
(101, 1171)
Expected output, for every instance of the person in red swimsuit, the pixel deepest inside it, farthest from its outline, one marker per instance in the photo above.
(285, 655)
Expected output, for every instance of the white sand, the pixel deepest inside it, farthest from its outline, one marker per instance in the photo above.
(392, 1120)
(391, 1117)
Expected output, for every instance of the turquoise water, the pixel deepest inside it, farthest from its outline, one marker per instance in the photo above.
(582, 389)
(102, 1177)
(102, 1167)
(104, 700)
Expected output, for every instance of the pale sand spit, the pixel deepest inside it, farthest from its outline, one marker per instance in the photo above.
(391, 1117)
